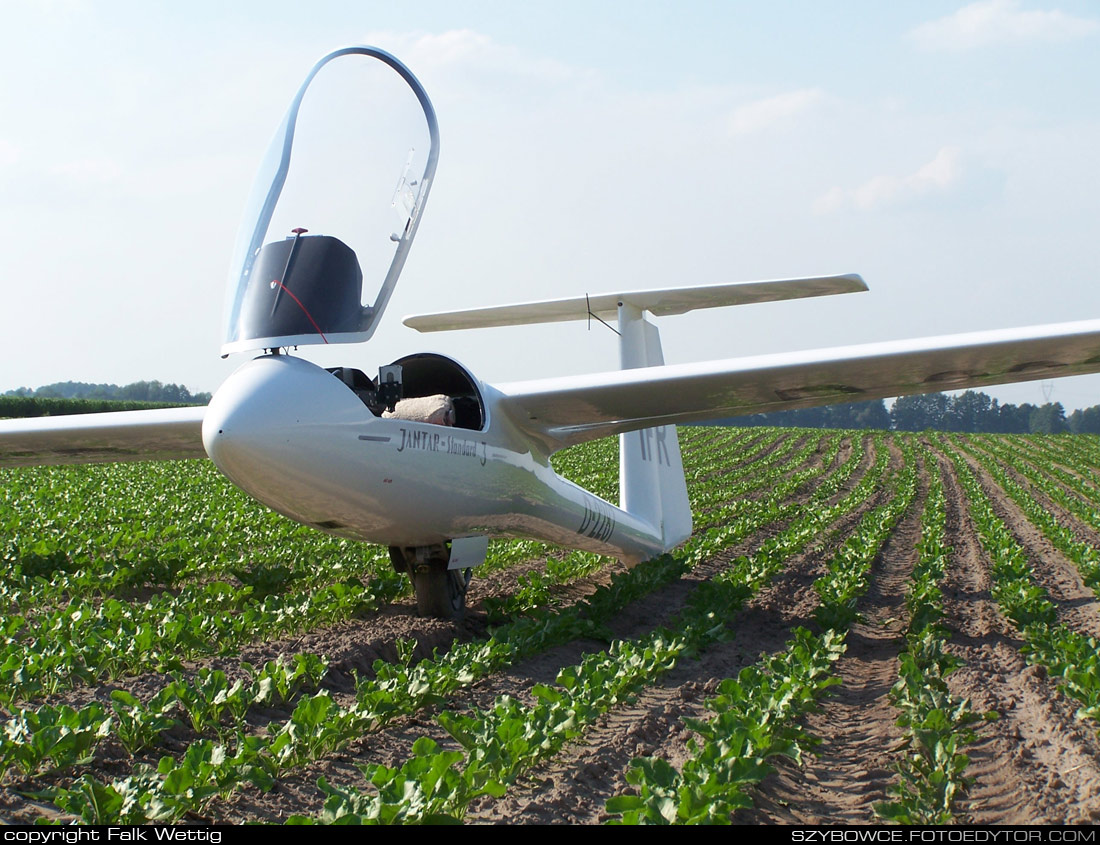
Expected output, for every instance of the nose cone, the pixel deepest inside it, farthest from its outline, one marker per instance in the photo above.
(275, 424)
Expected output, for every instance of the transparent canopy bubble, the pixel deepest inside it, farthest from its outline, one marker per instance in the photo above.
(335, 206)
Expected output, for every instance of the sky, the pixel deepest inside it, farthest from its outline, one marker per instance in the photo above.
(943, 150)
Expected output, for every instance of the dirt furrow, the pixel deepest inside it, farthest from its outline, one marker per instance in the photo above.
(856, 724)
(1036, 763)
(1077, 605)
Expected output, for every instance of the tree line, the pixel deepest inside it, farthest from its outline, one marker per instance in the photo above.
(970, 412)
(138, 391)
(78, 397)
(13, 407)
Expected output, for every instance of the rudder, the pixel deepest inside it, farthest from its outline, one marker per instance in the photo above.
(651, 471)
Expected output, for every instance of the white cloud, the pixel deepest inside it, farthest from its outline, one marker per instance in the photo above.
(937, 177)
(999, 22)
(761, 114)
(464, 48)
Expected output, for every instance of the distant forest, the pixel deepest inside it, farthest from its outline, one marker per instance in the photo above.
(139, 391)
(77, 397)
(969, 411)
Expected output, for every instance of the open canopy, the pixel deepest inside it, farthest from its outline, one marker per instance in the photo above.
(324, 215)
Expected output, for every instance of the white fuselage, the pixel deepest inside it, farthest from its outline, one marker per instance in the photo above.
(296, 438)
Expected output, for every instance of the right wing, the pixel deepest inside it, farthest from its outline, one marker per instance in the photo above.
(563, 411)
(157, 434)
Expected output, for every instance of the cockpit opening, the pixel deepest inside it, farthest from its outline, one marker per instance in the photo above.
(448, 394)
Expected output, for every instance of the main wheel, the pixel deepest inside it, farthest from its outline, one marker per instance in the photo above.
(440, 592)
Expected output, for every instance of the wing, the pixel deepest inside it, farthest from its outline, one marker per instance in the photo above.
(159, 434)
(564, 411)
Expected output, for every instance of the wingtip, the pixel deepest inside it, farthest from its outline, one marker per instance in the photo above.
(860, 285)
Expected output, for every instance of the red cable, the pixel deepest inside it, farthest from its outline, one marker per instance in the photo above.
(304, 310)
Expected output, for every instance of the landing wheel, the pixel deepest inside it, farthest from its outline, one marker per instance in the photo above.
(440, 592)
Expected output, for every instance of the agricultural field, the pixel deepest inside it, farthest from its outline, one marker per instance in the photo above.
(864, 627)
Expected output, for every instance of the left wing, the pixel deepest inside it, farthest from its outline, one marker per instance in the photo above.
(564, 411)
(157, 434)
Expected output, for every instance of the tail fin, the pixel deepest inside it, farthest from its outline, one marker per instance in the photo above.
(651, 472)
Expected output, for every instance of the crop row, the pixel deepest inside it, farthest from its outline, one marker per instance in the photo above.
(66, 737)
(1070, 657)
(68, 532)
(1070, 459)
(738, 483)
(1084, 556)
(1076, 482)
(931, 771)
(756, 714)
(1086, 448)
(86, 643)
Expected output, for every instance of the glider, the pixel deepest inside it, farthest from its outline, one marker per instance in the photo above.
(429, 460)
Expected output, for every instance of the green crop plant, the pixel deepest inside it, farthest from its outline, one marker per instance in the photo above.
(931, 771)
(1069, 656)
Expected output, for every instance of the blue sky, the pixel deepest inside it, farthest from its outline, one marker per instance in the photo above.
(944, 150)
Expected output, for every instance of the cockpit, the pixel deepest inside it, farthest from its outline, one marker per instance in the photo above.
(426, 387)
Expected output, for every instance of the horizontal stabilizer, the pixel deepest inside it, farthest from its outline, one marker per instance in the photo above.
(659, 303)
